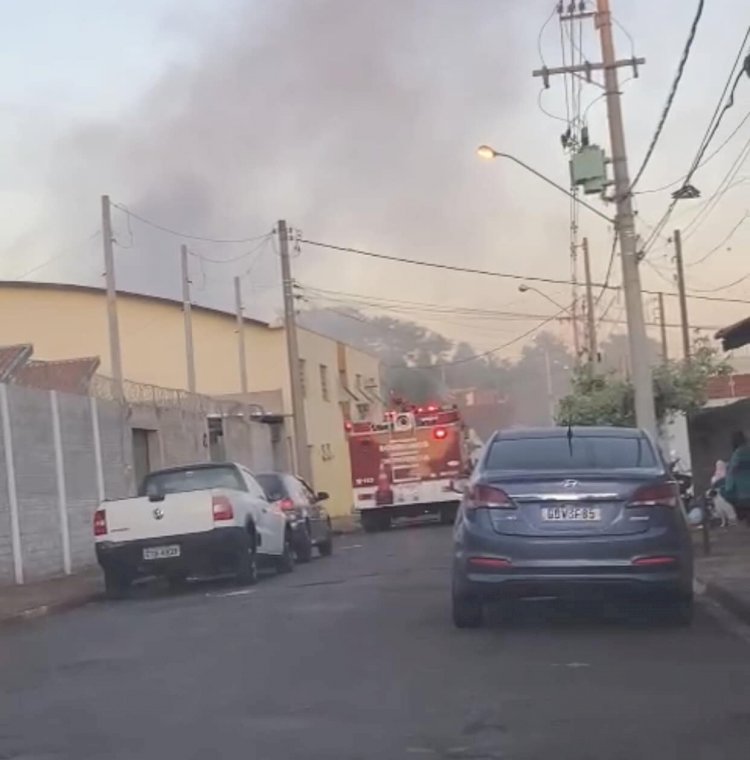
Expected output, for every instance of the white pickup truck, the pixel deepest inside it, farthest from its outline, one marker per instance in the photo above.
(197, 519)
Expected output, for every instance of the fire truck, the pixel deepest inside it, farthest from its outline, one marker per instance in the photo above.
(409, 464)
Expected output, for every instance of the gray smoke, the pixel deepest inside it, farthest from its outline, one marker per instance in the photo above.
(356, 121)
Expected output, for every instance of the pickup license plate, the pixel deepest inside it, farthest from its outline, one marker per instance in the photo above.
(571, 514)
(161, 552)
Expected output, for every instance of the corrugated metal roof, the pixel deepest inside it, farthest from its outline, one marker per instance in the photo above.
(68, 375)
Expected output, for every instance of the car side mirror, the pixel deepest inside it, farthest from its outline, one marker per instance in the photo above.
(322, 496)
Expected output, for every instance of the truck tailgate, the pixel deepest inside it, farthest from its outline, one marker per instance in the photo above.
(178, 514)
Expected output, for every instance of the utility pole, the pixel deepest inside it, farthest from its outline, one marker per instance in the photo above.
(188, 314)
(109, 274)
(590, 315)
(645, 412)
(240, 334)
(304, 466)
(684, 323)
(663, 329)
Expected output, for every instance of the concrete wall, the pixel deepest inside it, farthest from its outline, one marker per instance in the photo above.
(68, 321)
(58, 483)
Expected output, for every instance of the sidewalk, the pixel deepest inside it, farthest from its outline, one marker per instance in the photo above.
(725, 573)
(32, 600)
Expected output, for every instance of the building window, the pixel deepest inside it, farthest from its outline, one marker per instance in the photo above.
(303, 376)
(324, 382)
(358, 381)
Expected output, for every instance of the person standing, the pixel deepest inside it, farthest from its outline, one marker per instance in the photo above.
(736, 486)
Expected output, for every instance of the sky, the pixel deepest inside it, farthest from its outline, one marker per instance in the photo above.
(358, 123)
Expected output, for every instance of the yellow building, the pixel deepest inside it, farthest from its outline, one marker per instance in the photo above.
(64, 321)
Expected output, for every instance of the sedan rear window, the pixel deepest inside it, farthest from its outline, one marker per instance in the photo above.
(198, 479)
(578, 453)
(273, 484)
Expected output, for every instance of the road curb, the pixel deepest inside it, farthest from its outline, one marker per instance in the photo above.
(45, 610)
(733, 603)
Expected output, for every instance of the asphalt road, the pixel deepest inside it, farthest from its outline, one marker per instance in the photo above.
(355, 657)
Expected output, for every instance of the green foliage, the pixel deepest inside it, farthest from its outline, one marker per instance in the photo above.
(604, 398)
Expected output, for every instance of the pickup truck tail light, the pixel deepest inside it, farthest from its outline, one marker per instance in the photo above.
(480, 495)
(222, 509)
(100, 522)
(656, 495)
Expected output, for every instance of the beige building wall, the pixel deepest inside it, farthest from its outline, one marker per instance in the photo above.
(66, 321)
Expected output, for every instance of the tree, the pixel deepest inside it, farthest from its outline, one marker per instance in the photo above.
(606, 398)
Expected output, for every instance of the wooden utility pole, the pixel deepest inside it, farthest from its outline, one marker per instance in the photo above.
(115, 352)
(302, 452)
(684, 323)
(188, 314)
(590, 314)
(240, 334)
(645, 411)
(663, 329)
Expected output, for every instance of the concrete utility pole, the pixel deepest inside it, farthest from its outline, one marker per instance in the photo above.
(645, 412)
(240, 334)
(302, 452)
(109, 274)
(590, 315)
(663, 330)
(188, 313)
(684, 323)
(624, 221)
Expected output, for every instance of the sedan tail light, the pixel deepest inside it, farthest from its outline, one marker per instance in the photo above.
(287, 505)
(222, 509)
(656, 495)
(100, 522)
(490, 497)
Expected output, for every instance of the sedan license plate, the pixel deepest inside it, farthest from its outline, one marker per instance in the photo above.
(571, 514)
(161, 552)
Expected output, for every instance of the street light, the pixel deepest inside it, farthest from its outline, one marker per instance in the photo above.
(487, 152)
(524, 288)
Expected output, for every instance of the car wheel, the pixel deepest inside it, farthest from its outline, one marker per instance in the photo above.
(370, 523)
(303, 547)
(467, 611)
(326, 547)
(116, 584)
(680, 612)
(285, 563)
(247, 565)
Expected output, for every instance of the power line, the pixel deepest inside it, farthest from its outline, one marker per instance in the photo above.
(612, 255)
(725, 186)
(671, 95)
(485, 354)
(360, 300)
(720, 245)
(184, 235)
(233, 259)
(489, 273)
(708, 136)
(708, 158)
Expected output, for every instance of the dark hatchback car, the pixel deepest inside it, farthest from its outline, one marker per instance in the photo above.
(304, 510)
(572, 513)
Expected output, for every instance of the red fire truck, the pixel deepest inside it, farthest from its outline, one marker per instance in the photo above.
(408, 464)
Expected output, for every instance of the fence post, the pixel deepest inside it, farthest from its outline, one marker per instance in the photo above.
(62, 497)
(97, 449)
(15, 527)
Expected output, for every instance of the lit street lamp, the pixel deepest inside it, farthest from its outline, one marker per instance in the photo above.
(488, 152)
